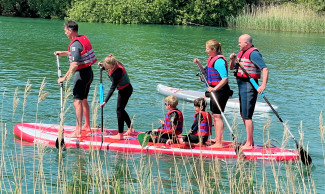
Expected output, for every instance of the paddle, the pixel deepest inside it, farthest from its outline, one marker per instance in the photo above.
(202, 75)
(143, 139)
(304, 156)
(59, 143)
(101, 100)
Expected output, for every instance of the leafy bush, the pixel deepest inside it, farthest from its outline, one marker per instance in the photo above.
(206, 12)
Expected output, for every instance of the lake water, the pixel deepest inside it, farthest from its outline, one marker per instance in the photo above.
(158, 54)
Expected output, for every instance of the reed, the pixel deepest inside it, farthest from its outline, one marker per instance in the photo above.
(285, 17)
(95, 171)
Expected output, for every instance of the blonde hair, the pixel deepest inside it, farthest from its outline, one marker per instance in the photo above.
(171, 101)
(111, 60)
(214, 44)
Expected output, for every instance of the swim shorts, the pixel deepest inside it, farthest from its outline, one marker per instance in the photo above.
(247, 97)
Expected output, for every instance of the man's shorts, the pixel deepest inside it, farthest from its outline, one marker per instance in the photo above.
(82, 81)
(247, 97)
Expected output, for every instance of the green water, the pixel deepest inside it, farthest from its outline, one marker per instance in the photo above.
(155, 54)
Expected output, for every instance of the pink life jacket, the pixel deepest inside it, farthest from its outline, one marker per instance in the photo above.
(87, 54)
(251, 69)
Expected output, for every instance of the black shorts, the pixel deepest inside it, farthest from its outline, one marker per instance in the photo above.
(194, 139)
(222, 96)
(82, 81)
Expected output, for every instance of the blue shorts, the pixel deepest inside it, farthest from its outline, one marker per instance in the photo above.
(247, 97)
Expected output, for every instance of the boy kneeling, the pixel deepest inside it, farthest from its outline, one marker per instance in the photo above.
(202, 124)
(172, 125)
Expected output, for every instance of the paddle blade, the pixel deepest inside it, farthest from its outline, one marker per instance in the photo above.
(58, 146)
(304, 156)
(143, 139)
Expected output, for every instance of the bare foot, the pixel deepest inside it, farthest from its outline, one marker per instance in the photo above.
(199, 144)
(170, 142)
(86, 128)
(247, 147)
(130, 131)
(216, 145)
(73, 134)
(118, 136)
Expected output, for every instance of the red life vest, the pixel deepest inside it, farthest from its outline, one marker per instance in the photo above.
(213, 76)
(124, 81)
(87, 54)
(249, 66)
(205, 126)
(179, 127)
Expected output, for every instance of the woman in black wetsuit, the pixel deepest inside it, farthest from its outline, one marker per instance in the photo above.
(121, 81)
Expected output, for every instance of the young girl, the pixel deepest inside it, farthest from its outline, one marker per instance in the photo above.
(217, 77)
(202, 124)
(121, 81)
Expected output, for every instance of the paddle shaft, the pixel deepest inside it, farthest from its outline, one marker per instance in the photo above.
(101, 100)
(256, 86)
(61, 132)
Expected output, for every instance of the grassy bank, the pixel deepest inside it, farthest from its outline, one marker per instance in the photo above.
(48, 170)
(286, 17)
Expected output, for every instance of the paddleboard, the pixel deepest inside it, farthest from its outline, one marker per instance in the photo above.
(48, 133)
(191, 95)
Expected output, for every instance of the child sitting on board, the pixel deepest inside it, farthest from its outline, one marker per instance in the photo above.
(202, 124)
(172, 126)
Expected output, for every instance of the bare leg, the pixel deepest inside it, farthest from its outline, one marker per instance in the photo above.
(219, 129)
(78, 108)
(249, 134)
(85, 108)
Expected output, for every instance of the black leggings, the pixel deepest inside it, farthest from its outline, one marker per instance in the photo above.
(122, 100)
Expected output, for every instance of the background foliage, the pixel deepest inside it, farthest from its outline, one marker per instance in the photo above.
(200, 12)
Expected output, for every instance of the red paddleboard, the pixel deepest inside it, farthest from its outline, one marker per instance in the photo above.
(48, 133)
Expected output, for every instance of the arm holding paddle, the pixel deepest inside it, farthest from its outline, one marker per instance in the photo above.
(223, 82)
(72, 68)
(61, 53)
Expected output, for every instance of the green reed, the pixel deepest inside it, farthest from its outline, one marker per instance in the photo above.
(98, 171)
(286, 17)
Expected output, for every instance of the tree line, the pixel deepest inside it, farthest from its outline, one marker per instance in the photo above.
(198, 12)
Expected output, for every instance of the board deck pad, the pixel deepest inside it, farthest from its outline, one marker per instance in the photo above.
(48, 133)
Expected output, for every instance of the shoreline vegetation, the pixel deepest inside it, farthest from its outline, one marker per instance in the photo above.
(95, 171)
(289, 17)
(294, 15)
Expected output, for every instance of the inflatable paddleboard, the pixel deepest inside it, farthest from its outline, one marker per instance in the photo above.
(191, 95)
(48, 133)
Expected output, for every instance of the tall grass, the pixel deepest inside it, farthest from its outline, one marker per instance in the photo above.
(95, 171)
(286, 17)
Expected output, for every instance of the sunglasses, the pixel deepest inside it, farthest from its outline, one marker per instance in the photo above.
(166, 104)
